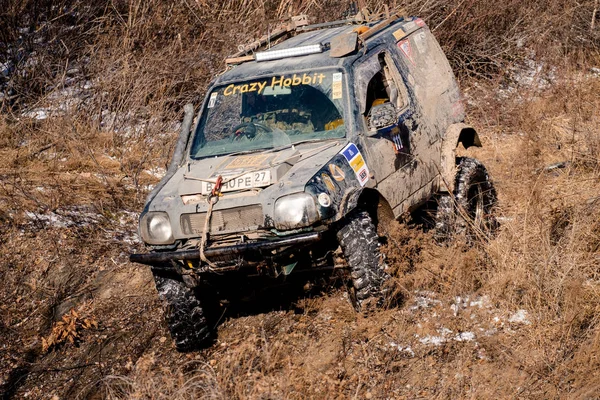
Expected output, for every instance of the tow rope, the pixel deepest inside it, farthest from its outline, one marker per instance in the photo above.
(212, 198)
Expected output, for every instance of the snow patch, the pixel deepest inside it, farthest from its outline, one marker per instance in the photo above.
(39, 114)
(127, 230)
(520, 317)
(408, 350)
(157, 172)
(465, 337)
(64, 218)
(62, 101)
(445, 335)
(424, 300)
(5, 68)
(461, 303)
(433, 340)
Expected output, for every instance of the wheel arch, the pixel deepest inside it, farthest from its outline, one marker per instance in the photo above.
(456, 134)
(370, 200)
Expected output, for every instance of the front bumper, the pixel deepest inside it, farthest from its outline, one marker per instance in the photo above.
(244, 249)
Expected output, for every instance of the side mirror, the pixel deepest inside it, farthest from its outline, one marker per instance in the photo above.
(382, 117)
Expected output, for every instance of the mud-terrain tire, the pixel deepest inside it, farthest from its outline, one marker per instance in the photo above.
(470, 210)
(185, 316)
(360, 245)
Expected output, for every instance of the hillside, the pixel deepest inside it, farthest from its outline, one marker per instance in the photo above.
(91, 99)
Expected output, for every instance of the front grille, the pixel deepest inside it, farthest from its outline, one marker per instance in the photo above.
(229, 220)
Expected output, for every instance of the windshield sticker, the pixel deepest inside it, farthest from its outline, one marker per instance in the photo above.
(276, 81)
(405, 47)
(248, 161)
(336, 87)
(337, 173)
(357, 162)
(409, 26)
(212, 100)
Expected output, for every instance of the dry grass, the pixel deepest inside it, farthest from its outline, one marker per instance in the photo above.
(70, 184)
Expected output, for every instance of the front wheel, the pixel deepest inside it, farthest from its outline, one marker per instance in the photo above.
(185, 315)
(360, 245)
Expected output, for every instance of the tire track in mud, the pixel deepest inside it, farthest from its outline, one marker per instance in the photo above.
(117, 299)
(18, 375)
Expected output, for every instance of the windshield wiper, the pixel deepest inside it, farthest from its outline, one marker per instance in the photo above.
(287, 146)
(238, 153)
(312, 140)
(274, 149)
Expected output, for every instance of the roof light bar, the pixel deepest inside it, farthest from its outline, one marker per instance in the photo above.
(285, 53)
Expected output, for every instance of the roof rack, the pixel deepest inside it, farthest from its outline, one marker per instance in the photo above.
(299, 23)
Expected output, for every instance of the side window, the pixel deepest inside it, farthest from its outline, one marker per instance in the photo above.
(425, 60)
(385, 85)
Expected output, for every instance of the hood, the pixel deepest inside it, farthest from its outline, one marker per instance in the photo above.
(281, 173)
(235, 168)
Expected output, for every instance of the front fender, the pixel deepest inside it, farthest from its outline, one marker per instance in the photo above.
(349, 202)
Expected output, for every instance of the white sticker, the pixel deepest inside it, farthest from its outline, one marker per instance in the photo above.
(409, 26)
(336, 87)
(421, 42)
(212, 100)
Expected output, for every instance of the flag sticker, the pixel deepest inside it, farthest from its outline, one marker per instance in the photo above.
(213, 99)
(336, 87)
(405, 47)
(357, 163)
(397, 140)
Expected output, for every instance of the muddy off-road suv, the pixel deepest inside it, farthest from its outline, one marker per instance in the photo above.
(302, 154)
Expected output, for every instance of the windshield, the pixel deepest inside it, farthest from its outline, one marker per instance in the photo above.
(271, 112)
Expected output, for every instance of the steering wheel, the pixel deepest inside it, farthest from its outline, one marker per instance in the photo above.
(249, 130)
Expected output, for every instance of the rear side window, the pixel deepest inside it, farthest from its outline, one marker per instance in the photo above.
(424, 58)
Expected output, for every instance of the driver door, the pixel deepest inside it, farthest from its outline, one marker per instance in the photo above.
(390, 151)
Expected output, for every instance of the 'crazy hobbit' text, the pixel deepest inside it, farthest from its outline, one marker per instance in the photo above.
(281, 81)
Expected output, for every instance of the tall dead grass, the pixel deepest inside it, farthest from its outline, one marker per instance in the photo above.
(141, 49)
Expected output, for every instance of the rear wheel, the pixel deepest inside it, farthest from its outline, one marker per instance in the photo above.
(185, 315)
(360, 245)
(470, 210)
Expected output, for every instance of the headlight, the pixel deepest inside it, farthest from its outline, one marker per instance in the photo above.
(155, 228)
(295, 211)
